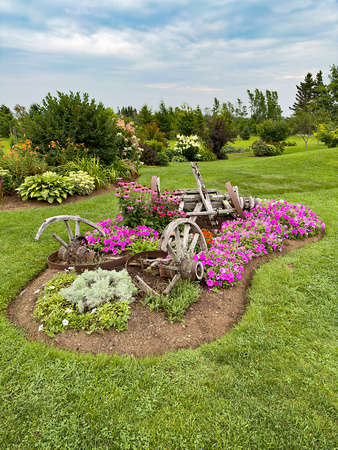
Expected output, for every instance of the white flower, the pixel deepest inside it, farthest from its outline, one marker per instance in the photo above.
(65, 322)
(69, 310)
(51, 287)
(37, 291)
(93, 310)
(40, 328)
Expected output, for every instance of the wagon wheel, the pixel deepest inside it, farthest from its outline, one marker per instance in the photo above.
(182, 245)
(66, 219)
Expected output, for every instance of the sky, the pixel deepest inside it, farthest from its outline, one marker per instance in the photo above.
(136, 52)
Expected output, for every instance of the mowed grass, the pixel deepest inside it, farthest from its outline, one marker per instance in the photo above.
(271, 383)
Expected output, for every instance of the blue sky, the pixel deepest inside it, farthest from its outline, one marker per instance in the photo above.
(131, 52)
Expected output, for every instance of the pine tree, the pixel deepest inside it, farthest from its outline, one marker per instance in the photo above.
(305, 95)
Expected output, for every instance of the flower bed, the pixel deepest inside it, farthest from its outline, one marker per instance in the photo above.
(232, 246)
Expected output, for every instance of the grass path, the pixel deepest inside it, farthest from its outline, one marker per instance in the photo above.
(271, 383)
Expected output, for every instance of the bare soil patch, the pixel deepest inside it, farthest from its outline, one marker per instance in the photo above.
(149, 333)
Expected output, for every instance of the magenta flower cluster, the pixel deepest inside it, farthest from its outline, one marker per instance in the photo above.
(140, 205)
(118, 237)
(263, 231)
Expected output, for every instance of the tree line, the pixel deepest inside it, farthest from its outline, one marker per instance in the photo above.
(315, 103)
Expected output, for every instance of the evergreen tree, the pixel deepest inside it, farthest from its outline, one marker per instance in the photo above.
(145, 115)
(6, 121)
(163, 118)
(305, 95)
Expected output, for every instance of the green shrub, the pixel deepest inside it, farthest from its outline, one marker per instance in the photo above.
(22, 161)
(149, 155)
(83, 183)
(48, 187)
(92, 166)
(289, 143)
(95, 287)
(261, 148)
(328, 134)
(156, 145)
(71, 118)
(179, 158)
(187, 146)
(56, 315)
(227, 149)
(207, 155)
(162, 159)
(273, 130)
(6, 182)
(245, 133)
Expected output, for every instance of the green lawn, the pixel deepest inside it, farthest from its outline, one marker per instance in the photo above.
(271, 383)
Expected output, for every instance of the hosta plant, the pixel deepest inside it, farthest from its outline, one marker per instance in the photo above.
(48, 186)
(84, 184)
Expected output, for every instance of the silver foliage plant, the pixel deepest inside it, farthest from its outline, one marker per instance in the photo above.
(94, 287)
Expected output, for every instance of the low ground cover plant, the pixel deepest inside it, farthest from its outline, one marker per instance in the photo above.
(92, 301)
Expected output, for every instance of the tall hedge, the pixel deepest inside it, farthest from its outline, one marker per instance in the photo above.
(75, 118)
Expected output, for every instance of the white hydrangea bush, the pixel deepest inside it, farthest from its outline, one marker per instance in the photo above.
(188, 146)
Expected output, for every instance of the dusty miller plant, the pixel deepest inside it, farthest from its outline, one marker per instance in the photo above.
(93, 288)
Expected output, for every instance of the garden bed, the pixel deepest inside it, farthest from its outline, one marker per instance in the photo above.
(149, 332)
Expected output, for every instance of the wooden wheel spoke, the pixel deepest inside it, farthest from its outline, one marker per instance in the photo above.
(172, 253)
(69, 230)
(193, 243)
(185, 238)
(77, 228)
(178, 244)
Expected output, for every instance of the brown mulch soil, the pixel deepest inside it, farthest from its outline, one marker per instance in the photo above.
(149, 333)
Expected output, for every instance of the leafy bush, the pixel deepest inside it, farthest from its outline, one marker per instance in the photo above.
(183, 294)
(261, 148)
(148, 155)
(328, 134)
(151, 131)
(56, 316)
(83, 183)
(48, 187)
(156, 145)
(289, 143)
(72, 118)
(227, 149)
(188, 146)
(245, 133)
(6, 182)
(163, 159)
(95, 287)
(91, 166)
(22, 161)
(57, 155)
(179, 158)
(218, 132)
(273, 130)
(207, 155)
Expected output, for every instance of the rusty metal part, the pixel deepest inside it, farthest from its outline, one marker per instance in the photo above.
(77, 251)
(55, 264)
